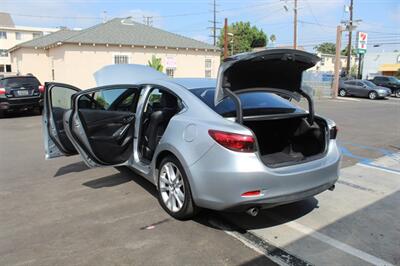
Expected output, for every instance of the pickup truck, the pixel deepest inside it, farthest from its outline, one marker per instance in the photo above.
(389, 82)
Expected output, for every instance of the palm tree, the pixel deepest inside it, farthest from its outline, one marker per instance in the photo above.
(272, 38)
(156, 63)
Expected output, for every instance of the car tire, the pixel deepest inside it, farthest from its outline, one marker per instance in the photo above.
(174, 193)
(342, 92)
(397, 93)
(372, 95)
(1, 113)
(38, 110)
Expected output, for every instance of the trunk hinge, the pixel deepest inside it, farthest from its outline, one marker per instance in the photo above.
(238, 105)
(310, 107)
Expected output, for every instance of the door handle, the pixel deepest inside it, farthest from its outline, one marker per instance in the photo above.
(128, 119)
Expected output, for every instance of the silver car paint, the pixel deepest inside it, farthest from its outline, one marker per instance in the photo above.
(217, 175)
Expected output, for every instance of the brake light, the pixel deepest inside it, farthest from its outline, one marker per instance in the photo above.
(333, 132)
(2, 91)
(41, 88)
(233, 141)
(254, 193)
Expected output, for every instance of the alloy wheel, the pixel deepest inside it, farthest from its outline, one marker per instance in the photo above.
(172, 187)
(342, 93)
(397, 93)
(372, 95)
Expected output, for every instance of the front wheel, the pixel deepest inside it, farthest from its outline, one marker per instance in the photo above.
(174, 193)
(397, 93)
(342, 92)
(372, 95)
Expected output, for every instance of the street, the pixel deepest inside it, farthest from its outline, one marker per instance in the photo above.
(60, 212)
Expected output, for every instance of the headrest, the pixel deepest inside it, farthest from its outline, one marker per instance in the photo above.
(168, 100)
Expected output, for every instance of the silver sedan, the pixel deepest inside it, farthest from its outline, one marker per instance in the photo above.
(363, 88)
(235, 143)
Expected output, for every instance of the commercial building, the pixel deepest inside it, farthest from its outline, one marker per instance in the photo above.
(327, 63)
(12, 35)
(380, 63)
(72, 57)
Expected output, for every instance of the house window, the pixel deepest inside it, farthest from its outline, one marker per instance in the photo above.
(208, 63)
(3, 53)
(8, 68)
(121, 59)
(170, 72)
(208, 73)
(322, 61)
(18, 36)
(1, 68)
(3, 35)
(37, 35)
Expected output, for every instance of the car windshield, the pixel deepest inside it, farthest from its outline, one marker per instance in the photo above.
(253, 103)
(369, 83)
(20, 81)
(394, 80)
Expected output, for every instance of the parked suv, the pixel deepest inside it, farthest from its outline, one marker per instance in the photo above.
(389, 82)
(20, 93)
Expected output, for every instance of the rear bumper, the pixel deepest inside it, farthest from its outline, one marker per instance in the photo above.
(20, 103)
(220, 177)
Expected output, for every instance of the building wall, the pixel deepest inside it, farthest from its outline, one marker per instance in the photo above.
(26, 34)
(75, 65)
(373, 61)
(327, 63)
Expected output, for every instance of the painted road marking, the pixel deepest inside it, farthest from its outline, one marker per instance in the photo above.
(385, 169)
(338, 244)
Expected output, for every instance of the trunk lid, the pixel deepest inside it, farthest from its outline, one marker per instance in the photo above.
(276, 69)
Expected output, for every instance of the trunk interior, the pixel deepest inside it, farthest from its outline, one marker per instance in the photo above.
(287, 141)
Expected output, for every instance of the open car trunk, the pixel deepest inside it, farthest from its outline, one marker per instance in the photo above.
(290, 140)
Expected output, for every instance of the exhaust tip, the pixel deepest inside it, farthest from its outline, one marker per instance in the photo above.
(253, 211)
(332, 188)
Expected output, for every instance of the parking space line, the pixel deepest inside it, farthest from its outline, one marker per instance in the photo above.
(382, 168)
(337, 244)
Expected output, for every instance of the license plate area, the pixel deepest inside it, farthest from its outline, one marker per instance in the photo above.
(22, 93)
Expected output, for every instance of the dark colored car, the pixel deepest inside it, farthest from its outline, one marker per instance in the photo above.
(19, 93)
(389, 82)
(362, 88)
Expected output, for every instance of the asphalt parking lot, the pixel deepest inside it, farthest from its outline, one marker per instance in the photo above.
(60, 212)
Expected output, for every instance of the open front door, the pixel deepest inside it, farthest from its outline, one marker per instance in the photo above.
(101, 124)
(57, 102)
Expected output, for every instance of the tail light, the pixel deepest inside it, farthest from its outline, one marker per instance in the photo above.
(254, 193)
(333, 132)
(2, 91)
(41, 88)
(233, 141)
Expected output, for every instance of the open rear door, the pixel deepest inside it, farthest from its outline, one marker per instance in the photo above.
(275, 70)
(57, 102)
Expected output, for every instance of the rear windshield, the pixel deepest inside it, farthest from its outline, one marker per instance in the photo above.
(253, 103)
(20, 81)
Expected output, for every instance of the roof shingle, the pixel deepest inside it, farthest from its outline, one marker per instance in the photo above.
(119, 31)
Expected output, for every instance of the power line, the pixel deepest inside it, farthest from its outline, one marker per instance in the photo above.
(214, 23)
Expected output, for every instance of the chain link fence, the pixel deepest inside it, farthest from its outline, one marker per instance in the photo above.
(317, 84)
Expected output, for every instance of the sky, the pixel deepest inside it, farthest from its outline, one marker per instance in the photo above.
(317, 18)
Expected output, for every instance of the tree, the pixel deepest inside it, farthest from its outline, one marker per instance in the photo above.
(272, 38)
(244, 39)
(156, 63)
(326, 48)
(344, 51)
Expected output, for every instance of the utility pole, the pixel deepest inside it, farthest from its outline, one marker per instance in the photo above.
(350, 34)
(214, 23)
(148, 20)
(335, 84)
(226, 38)
(295, 25)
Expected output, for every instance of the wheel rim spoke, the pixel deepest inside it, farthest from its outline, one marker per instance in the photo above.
(172, 188)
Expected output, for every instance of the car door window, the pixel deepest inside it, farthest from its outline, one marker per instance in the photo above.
(116, 99)
(108, 115)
